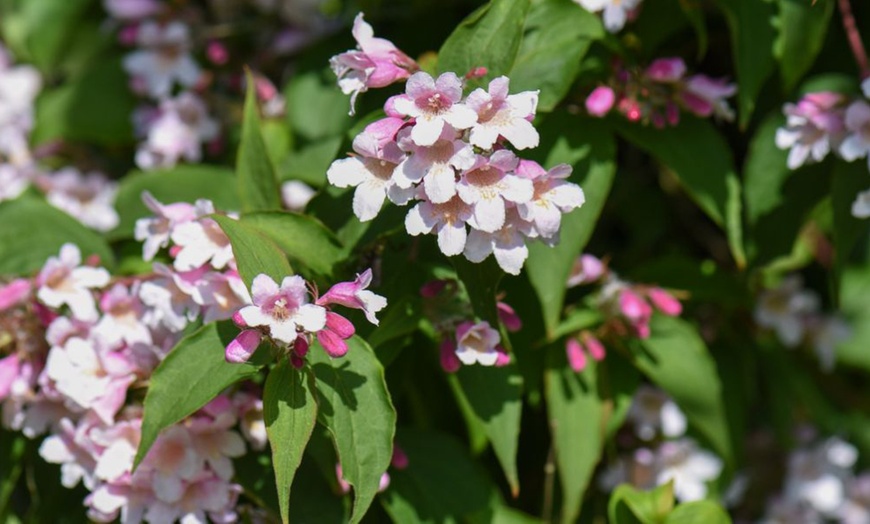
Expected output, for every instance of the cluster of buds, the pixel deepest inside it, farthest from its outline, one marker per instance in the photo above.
(448, 154)
(656, 95)
(627, 307)
(795, 316)
(283, 315)
(465, 341)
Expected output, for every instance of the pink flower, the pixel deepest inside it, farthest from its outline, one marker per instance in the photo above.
(89, 198)
(600, 101)
(553, 196)
(593, 346)
(502, 115)
(243, 346)
(586, 269)
(283, 310)
(154, 232)
(63, 281)
(813, 127)
(176, 132)
(508, 244)
(14, 293)
(576, 356)
(447, 220)
(636, 310)
(667, 70)
(450, 363)
(201, 241)
(857, 143)
(665, 302)
(435, 165)
(488, 186)
(434, 103)
(705, 96)
(122, 320)
(355, 295)
(164, 59)
(377, 63)
(8, 373)
(132, 9)
(477, 343)
(509, 317)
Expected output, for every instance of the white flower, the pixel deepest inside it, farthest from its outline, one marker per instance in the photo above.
(201, 241)
(295, 195)
(500, 114)
(447, 220)
(122, 320)
(154, 232)
(857, 143)
(434, 104)
(282, 309)
(89, 198)
(818, 476)
(508, 244)
(689, 467)
(436, 166)
(177, 132)
(488, 186)
(553, 196)
(63, 281)
(13, 181)
(615, 11)
(477, 343)
(18, 89)
(165, 58)
(785, 308)
(653, 411)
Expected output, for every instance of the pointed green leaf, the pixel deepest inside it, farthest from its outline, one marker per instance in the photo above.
(705, 511)
(802, 25)
(290, 412)
(355, 406)
(849, 179)
(257, 182)
(628, 504)
(193, 373)
(303, 238)
(589, 147)
(489, 37)
(254, 252)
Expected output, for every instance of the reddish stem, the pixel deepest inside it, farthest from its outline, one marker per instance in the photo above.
(854, 37)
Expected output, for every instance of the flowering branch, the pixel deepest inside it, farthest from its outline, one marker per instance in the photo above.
(854, 37)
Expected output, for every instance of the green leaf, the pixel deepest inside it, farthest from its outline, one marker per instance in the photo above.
(255, 253)
(575, 412)
(557, 35)
(628, 504)
(41, 31)
(316, 109)
(193, 373)
(589, 147)
(705, 511)
(778, 199)
(803, 25)
(301, 237)
(676, 359)
(33, 230)
(854, 292)
(184, 183)
(355, 406)
(701, 160)
(694, 11)
(258, 184)
(290, 412)
(489, 37)
(752, 37)
(849, 179)
(12, 448)
(441, 483)
(310, 163)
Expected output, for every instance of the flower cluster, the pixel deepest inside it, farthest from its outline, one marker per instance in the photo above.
(615, 13)
(794, 314)
(448, 155)
(820, 485)
(465, 341)
(661, 451)
(825, 122)
(657, 93)
(627, 309)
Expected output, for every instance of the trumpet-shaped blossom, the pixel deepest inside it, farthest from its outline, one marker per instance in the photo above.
(477, 343)
(89, 198)
(488, 186)
(355, 295)
(63, 280)
(282, 310)
(434, 104)
(155, 231)
(122, 320)
(814, 126)
(600, 101)
(705, 96)
(164, 60)
(377, 63)
(436, 166)
(552, 197)
(502, 115)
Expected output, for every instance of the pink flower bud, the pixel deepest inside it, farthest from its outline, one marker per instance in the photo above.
(450, 363)
(339, 325)
(432, 288)
(384, 483)
(217, 53)
(576, 356)
(14, 293)
(296, 361)
(666, 70)
(477, 72)
(594, 346)
(243, 346)
(503, 358)
(631, 109)
(300, 347)
(334, 345)
(509, 317)
(128, 34)
(238, 320)
(665, 302)
(342, 484)
(586, 268)
(672, 113)
(400, 459)
(600, 101)
(529, 169)
(633, 306)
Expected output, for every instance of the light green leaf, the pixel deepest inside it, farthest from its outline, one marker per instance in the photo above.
(701, 160)
(557, 35)
(705, 511)
(489, 37)
(193, 373)
(258, 184)
(254, 252)
(316, 108)
(628, 504)
(41, 32)
(355, 406)
(33, 230)
(802, 25)
(301, 237)
(676, 359)
(752, 37)
(184, 183)
(290, 412)
(589, 147)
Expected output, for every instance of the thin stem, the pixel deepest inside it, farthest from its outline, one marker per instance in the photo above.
(854, 37)
(549, 480)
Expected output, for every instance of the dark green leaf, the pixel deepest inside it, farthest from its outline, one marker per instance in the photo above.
(185, 183)
(303, 238)
(33, 230)
(705, 511)
(489, 37)
(752, 37)
(254, 252)
(701, 159)
(290, 412)
(802, 25)
(677, 360)
(557, 35)
(589, 147)
(258, 184)
(193, 373)
(12, 448)
(310, 163)
(848, 180)
(354, 404)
